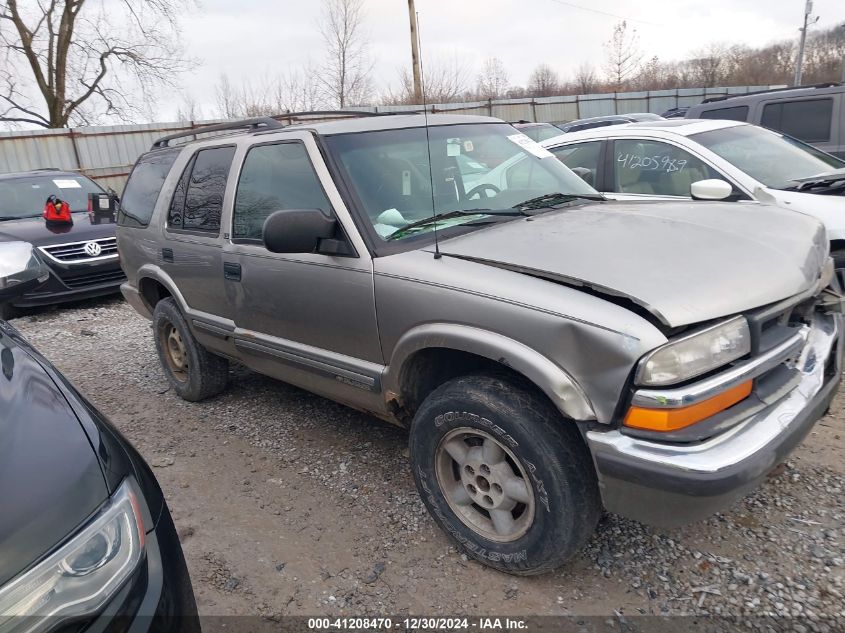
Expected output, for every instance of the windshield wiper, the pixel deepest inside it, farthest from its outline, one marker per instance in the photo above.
(552, 199)
(452, 214)
(16, 217)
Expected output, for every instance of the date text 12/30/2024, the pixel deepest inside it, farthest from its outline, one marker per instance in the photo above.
(417, 624)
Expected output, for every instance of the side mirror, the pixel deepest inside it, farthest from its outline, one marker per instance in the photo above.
(21, 269)
(713, 189)
(297, 230)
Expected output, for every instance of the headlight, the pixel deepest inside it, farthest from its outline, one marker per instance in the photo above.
(81, 576)
(695, 354)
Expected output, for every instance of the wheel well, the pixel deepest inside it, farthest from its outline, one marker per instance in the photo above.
(427, 369)
(152, 291)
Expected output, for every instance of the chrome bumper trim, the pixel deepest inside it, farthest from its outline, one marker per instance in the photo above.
(704, 389)
(751, 437)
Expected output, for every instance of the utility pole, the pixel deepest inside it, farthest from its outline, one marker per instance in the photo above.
(799, 62)
(415, 53)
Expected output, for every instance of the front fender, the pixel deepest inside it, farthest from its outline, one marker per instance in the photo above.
(561, 388)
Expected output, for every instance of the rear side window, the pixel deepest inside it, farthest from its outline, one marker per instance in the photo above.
(737, 113)
(273, 178)
(807, 120)
(198, 199)
(141, 191)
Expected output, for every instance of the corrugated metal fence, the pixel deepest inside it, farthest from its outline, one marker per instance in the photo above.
(108, 153)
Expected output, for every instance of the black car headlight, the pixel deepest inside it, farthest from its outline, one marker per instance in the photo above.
(79, 578)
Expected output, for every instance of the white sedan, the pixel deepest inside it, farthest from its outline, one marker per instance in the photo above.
(712, 160)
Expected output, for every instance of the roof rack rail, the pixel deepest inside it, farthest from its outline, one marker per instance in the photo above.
(830, 84)
(251, 125)
(350, 113)
(267, 123)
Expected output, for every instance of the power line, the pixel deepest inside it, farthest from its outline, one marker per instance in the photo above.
(605, 13)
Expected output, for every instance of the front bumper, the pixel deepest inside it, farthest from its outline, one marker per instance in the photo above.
(75, 283)
(671, 484)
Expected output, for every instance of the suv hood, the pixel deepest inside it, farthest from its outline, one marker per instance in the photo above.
(684, 262)
(36, 232)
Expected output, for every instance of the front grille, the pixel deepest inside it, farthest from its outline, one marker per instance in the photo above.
(93, 279)
(75, 252)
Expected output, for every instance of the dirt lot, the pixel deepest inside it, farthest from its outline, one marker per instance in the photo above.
(290, 504)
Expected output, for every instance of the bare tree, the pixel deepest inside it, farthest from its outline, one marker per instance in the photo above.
(586, 79)
(297, 91)
(443, 81)
(189, 109)
(345, 75)
(80, 60)
(623, 55)
(544, 82)
(493, 80)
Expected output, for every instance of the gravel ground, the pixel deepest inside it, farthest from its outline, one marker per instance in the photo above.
(287, 503)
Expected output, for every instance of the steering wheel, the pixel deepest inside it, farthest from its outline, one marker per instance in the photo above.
(482, 189)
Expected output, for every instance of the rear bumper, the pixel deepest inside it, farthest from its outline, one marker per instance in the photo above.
(671, 484)
(133, 298)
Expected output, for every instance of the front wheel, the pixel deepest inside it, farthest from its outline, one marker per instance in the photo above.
(503, 474)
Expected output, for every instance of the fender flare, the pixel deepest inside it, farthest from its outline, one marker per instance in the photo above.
(561, 388)
(151, 271)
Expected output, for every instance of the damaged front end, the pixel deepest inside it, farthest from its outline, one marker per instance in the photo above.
(680, 452)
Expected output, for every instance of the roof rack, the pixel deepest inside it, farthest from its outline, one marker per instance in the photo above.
(267, 123)
(251, 125)
(832, 84)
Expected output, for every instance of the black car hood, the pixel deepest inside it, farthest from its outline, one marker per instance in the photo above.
(35, 231)
(50, 478)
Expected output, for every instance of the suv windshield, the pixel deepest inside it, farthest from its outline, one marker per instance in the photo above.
(25, 197)
(773, 159)
(471, 169)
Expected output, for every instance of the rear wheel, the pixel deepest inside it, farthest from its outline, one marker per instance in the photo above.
(503, 474)
(193, 372)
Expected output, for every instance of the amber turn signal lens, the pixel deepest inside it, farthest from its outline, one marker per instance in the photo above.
(674, 419)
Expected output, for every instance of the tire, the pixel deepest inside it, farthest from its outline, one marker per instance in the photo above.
(194, 373)
(7, 311)
(553, 511)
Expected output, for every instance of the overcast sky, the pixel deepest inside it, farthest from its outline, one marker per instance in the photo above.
(248, 39)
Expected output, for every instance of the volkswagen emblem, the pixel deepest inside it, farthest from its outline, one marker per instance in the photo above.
(92, 249)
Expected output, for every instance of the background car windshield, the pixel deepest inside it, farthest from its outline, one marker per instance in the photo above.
(773, 159)
(26, 196)
(389, 172)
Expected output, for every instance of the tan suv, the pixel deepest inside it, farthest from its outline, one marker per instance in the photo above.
(551, 353)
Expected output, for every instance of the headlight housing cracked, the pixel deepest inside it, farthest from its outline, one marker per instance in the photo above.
(695, 354)
(80, 577)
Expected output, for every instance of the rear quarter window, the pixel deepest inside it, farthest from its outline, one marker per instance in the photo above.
(197, 203)
(736, 113)
(807, 120)
(141, 191)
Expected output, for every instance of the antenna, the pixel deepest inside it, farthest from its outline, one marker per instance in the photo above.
(428, 141)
